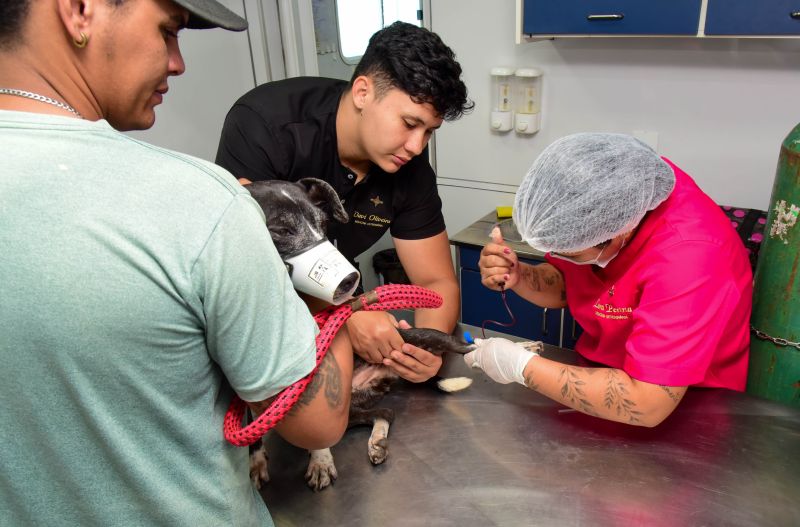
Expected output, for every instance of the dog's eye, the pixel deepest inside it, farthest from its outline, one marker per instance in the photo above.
(280, 231)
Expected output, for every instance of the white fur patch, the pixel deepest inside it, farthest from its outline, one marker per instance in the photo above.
(454, 384)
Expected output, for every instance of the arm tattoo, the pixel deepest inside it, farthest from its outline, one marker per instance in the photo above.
(672, 395)
(328, 375)
(541, 280)
(550, 279)
(555, 280)
(572, 390)
(531, 275)
(616, 398)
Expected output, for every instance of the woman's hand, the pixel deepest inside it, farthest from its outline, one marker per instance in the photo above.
(499, 265)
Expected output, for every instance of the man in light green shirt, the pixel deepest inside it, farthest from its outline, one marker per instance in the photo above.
(139, 290)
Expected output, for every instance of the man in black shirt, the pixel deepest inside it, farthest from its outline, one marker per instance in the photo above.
(365, 138)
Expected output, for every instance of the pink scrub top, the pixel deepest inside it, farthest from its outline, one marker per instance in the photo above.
(673, 307)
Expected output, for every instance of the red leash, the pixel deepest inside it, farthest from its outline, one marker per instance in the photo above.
(383, 298)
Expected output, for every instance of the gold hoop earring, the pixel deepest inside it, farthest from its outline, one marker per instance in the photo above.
(80, 44)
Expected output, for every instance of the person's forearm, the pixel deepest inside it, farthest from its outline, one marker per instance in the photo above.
(319, 417)
(607, 393)
(445, 317)
(542, 285)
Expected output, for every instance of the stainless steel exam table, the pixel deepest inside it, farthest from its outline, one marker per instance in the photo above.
(503, 455)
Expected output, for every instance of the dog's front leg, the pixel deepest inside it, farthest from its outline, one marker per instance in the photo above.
(378, 444)
(321, 470)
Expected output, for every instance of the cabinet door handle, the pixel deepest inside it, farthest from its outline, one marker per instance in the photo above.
(795, 14)
(615, 16)
(544, 322)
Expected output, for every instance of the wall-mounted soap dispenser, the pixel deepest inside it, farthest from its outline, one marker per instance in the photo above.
(502, 99)
(527, 118)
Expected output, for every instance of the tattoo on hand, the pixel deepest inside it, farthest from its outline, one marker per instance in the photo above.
(572, 390)
(328, 375)
(617, 398)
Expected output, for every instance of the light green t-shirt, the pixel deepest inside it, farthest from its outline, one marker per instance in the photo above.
(137, 286)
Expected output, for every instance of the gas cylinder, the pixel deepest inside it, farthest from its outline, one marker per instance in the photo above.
(774, 371)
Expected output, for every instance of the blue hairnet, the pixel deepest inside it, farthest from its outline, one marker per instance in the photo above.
(585, 189)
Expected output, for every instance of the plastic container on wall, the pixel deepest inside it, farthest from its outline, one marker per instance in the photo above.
(527, 118)
(502, 99)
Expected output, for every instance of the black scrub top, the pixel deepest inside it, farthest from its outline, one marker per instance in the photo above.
(287, 130)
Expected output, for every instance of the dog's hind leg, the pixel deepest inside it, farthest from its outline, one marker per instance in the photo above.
(381, 419)
(321, 471)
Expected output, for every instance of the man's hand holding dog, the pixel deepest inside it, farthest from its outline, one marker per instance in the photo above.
(375, 339)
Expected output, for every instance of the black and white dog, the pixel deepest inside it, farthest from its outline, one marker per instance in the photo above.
(297, 217)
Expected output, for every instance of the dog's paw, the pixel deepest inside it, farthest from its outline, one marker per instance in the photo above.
(378, 450)
(321, 471)
(258, 468)
(378, 444)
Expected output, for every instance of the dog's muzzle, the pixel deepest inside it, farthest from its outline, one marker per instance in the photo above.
(323, 272)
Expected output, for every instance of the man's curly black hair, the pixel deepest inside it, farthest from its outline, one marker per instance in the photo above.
(417, 62)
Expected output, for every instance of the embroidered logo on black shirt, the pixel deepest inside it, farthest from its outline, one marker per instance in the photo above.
(370, 220)
(376, 201)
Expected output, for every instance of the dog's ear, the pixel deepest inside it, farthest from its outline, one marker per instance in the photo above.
(324, 196)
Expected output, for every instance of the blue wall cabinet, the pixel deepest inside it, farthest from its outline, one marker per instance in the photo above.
(753, 17)
(543, 19)
(611, 17)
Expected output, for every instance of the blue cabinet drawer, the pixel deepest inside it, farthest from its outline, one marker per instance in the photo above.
(611, 17)
(479, 304)
(570, 332)
(753, 17)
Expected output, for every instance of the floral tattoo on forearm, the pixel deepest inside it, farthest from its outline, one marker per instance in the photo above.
(572, 389)
(616, 398)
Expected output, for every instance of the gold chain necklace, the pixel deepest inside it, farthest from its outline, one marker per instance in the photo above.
(40, 98)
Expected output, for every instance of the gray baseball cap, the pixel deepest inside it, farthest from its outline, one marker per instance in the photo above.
(206, 14)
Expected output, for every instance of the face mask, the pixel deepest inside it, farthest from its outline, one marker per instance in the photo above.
(323, 272)
(599, 260)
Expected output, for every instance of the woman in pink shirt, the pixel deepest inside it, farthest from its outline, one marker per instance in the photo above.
(649, 267)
